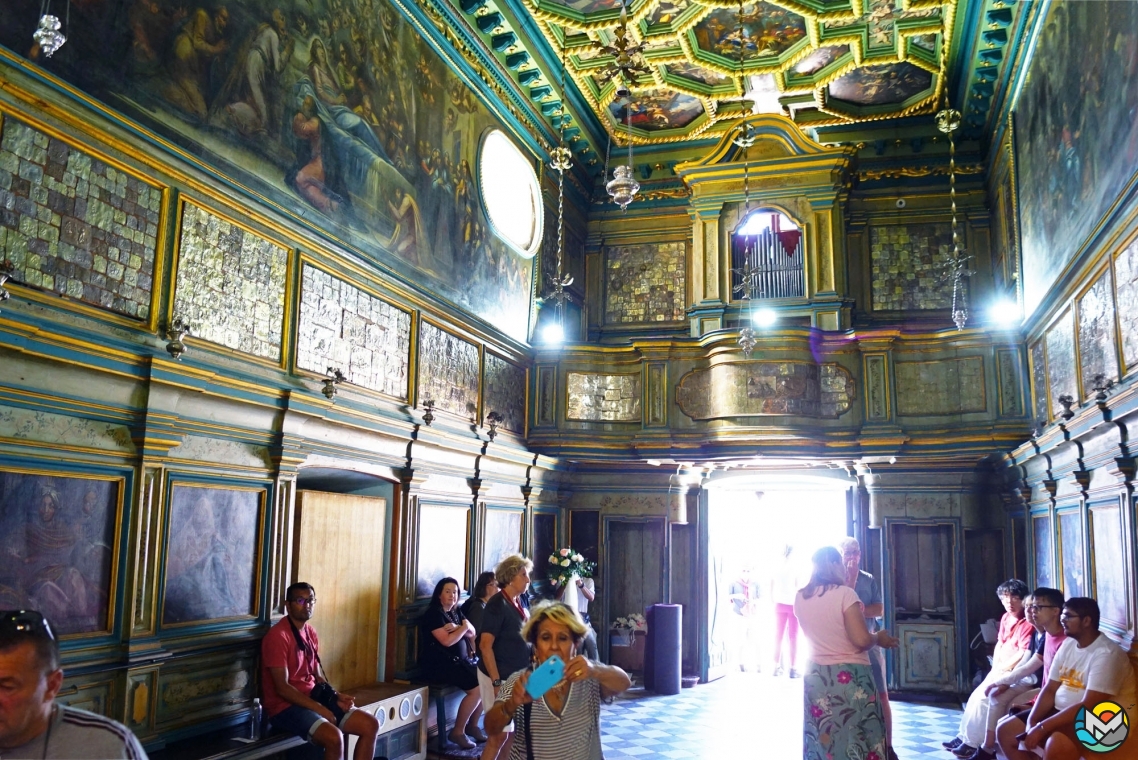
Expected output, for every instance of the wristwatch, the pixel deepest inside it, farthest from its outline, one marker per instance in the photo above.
(496, 682)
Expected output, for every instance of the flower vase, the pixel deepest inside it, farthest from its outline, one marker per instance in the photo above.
(570, 592)
(622, 637)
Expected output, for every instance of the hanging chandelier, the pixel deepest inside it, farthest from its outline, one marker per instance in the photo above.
(48, 34)
(956, 269)
(561, 161)
(748, 286)
(626, 65)
(623, 187)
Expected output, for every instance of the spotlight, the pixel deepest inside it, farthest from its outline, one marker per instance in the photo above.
(764, 317)
(1005, 313)
(553, 334)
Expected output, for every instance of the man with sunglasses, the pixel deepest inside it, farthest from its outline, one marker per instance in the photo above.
(1088, 669)
(32, 725)
(290, 670)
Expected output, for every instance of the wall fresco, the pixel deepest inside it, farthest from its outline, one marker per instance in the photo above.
(1076, 138)
(645, 283)
(1061, 376)
(1096, 334)
(597, 397)
(946, 386)
(72, 224)
(1044, 560)
(505, 384)
(1039, 382)
(1071, 544)
(907, 261)
(801, 389)
(338, 111)
(341, 326)
(1126, 292)
(448, 371)
(231, 284)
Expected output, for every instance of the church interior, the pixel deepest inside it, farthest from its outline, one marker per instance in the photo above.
(369, 293)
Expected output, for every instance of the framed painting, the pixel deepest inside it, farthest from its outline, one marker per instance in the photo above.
(1071, 544)
(1108, 566)
(544, 542)
(60, 534)
(1044, 560)
(212, 552)
(444, 537)
(503, 536)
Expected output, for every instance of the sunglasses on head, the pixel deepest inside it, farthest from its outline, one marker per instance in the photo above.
(25, 622)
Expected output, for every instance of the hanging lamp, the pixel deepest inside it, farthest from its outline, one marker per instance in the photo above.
(948, 121)
(49, 35)
(561, 161)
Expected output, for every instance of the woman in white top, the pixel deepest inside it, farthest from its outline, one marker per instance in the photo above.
(842, 716)
(565, 723)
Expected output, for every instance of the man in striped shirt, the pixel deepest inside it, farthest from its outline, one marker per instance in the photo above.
(32, 725)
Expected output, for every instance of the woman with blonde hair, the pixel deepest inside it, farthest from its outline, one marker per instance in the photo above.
(565, 722)
(842, 715)
(501, 644)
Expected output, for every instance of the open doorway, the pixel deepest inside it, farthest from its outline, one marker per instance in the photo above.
(760, 536)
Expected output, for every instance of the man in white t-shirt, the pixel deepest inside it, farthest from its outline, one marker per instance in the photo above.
(586, 592)
(1088, 669)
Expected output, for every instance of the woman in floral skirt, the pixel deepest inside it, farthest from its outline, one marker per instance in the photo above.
(842, 716)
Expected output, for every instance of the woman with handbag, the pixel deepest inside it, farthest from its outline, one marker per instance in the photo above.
(564, 723)
(446, 656)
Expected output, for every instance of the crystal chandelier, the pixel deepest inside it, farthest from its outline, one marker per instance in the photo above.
(562, 161)
(48, 35)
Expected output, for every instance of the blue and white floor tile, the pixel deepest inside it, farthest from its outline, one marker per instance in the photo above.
(747, 716)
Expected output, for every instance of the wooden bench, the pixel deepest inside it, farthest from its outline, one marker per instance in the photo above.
(438, 693)
(230, 744)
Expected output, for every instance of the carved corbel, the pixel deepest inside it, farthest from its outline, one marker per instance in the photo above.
(1083, 478)
(1051, 486)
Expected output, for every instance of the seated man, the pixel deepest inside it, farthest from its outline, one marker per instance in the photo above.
(1043, 611)
(1013, 644)
(31, 723)
(290, 663)
(1088, 669)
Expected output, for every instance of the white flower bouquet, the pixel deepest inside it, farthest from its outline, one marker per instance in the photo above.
(567, 563)
(633, 622)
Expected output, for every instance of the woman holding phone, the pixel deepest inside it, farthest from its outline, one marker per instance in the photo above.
(563, 722)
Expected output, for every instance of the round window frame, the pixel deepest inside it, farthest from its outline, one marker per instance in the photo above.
(539, 205)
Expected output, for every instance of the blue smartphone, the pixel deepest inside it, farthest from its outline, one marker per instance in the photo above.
(545, 676)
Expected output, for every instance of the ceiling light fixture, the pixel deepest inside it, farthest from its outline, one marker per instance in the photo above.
(562, 161)
(948, 121)
(626, 65)
(48, 35)
(748, 287)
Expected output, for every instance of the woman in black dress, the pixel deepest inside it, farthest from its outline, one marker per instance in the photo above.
(445, 656)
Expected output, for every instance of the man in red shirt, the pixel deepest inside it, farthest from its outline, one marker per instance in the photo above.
(290, 670)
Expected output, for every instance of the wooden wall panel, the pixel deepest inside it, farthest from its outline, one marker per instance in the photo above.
(635, 555)
(341, 554)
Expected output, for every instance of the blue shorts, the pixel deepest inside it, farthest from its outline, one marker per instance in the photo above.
(300, 721)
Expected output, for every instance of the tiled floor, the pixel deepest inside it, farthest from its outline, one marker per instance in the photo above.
(747, 716)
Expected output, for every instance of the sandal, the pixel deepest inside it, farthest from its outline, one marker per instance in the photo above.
(477, 734)
(461, 740)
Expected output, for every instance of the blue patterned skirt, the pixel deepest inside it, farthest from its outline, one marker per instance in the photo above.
(842, 715)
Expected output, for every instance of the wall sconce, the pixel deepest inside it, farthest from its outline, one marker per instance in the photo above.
(429, 415)
(1066, 401)
(175, 331)
(493, 419)
(333, 378)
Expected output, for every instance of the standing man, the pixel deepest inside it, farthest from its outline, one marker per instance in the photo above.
(869, 591)
(32, 725)
(1088, 669)
(290, 663)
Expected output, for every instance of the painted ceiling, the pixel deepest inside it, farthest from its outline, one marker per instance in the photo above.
(848, 68)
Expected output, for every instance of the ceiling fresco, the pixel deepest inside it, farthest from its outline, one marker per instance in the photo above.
(832, 62)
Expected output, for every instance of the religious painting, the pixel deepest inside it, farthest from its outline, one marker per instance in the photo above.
(443, 536)
(767, 31)
(658, 109)
(211, 555)
(1098, 359)
(697, 73)
(587, 6)
(820, 59)
(881, 85)
(1110, 580)
(1071, 541)
(338, 112)
(667, 11)
(503, 536)
(58, 536)
(1044, 563)
(1076, 136)
(1062, 377)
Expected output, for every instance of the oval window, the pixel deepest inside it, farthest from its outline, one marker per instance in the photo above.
(510, 193)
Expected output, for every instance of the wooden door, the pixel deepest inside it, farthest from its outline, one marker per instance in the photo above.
(340, 552)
